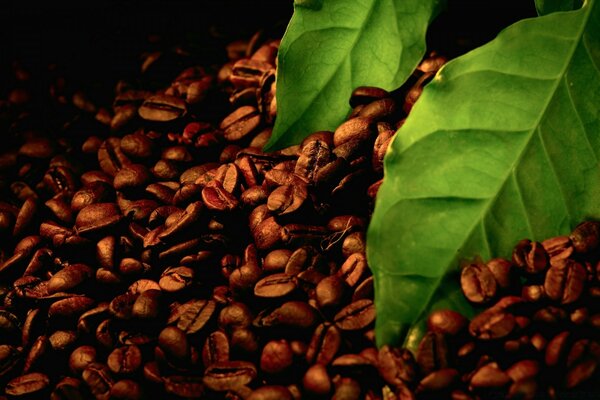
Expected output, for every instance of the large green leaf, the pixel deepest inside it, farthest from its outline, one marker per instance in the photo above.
(548, 6)
(332, 46)
(503, 144)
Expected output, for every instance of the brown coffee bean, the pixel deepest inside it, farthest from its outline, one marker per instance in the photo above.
(580, 373)
(287, 199)
(293, 314)
(524, 369)
(71, 306)
(175, 279)
(432, 353)
(378, 109)
(132, 176)
(216, 198)
(523, 389)
(565, 281)
(586, 236)
(240, 123)
(235, 315)
(80, 358)
(276, 285)
(396, 366)
(331, 292)
(556, 349)
(366, 95)
(276, 357)
(62, 339)
(162, 108)
(126, 389)
(192, 316)
(267, 234)
(271, 392)
(355, 316)
(489, 376)
(530, 256)
(69, 277)
(190, 387)
(215, 349)
(353, 269)
(137, 145)
(492, 325)
(223, 376)
(438, 380)
(324, 345)
(478, 283)
(447, 322)
(174, 343)
(558, 248)
(111, 158)
(360, 129)
(98, 217)
(125, 360)
(98, 379)
(122, 305)
(316, 381)
(27, 385)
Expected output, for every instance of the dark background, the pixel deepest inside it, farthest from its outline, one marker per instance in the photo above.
(101, 41)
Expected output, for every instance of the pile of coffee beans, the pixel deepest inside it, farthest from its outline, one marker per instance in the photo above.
(151, 249)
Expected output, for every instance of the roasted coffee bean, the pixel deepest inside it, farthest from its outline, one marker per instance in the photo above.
(353, 269)
(292, 314)
(98, 379)
(354, 129)
(586, 236)
(276, 285)
(438, 380)
(97, 217)
(565, 281)
(355, 316)
(216, 198)
(27, 385)
(240, 123)
(131, 176)
(324, 345)
(62, 340)
(489, 376)
(366, 95)
(122, 305)
(478, 283)
(316, 381)
(276, 357)
(69, 277)
(81, 357)
(446, 322)
(137, 145)
(396, 366)
(223, 376)
(271, 392)
(126, 389)
(287, 199)
(174, 343)
(193, 315)
(162, 108)
(331, 292)
(530, 256)
(492, 325)
(215, 349)
(433, 352)
(147, 304)
(184, 386)
(71, 306)
(125, 360)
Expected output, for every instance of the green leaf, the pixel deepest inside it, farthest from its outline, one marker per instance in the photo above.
(549, 6)
(331, 47)
(503, 144)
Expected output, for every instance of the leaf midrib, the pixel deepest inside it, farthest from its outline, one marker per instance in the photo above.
(492, 200)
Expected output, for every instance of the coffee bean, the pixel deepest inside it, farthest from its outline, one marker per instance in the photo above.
(240, 123)
(98, 217)
(271, 392)
(223, 376)
(292, 314)
(184, 386)
(366, 95)
(438, 380)
(492, 325)
(125, 360)
(287, 199)
(489, 376)
(433, 352)
(216, 198)
(396, 366)
(586, 236)
(446, 322)
(174, 343)
(193, 315)
(137, 145)
(316, 381)
(324, 345)
(126, 389)
(27, 385)
(162, 108)
(276, 285)
(565, 281)
(355, 128)
(98, 379)
(276, 357)
(530, 256)
(478, 283)
(147, 304)
(355, 316)
(215, 349)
